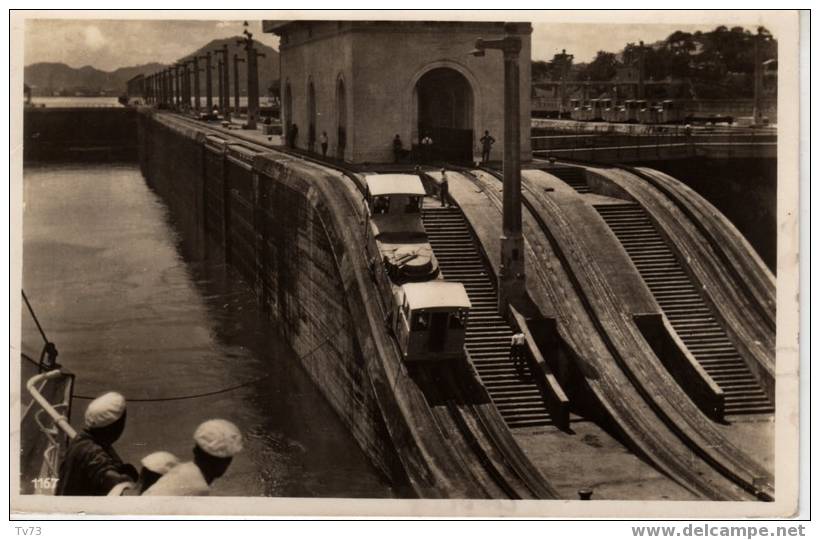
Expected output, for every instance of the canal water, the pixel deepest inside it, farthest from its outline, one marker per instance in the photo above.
(182, 340)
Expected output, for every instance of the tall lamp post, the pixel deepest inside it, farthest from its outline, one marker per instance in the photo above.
(236, 61)
(196, 70)
(178, 86)
(186, 87)
(511, 278)
(220, 81)
(209, 89)
(253, 77)
(225, 82)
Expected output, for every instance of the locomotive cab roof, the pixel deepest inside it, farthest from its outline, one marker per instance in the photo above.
(435, 295)
(394, 184)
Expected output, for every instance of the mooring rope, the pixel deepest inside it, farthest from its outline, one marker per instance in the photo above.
(48, 356)
(34, 316)
(221, 390)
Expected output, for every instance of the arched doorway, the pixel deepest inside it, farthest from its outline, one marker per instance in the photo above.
(311, 115)
(445, 113)
(341, 119)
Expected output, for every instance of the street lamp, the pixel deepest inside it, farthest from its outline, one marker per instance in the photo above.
(511, 279)
(253, 76)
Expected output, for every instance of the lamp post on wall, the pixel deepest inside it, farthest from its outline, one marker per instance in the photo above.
(178, 80)
(511, 278)
(236, 61)
(224, 82)
(209, 88)
(186, 87)
(169, 79)
(169, 89)
(220, 80)
(253, 76)
(197, 70)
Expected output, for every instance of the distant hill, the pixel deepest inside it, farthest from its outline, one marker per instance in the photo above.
(48, 78)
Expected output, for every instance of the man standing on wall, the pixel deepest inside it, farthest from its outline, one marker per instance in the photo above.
(323, 142)
(486, 145)
(397, 148)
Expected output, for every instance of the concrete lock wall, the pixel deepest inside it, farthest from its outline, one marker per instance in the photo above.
(381, 65)
(266, 223)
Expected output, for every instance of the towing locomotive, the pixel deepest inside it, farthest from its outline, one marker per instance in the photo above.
(428, 315)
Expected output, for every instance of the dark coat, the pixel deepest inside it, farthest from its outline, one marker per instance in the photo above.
(89, 468)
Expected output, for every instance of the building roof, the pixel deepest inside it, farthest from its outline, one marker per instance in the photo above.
(436, 294)
(394, 184)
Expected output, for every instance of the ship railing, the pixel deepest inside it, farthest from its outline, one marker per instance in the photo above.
(52, 422)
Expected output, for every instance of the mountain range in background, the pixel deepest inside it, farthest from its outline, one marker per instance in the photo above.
(54, 78)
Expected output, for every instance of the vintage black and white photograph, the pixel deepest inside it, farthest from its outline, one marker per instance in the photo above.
(405, 256)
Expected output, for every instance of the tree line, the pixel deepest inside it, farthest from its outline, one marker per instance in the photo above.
(716, 64)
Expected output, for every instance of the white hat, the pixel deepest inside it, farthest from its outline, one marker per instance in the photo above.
(218, 438)
(105, 410)
(160, 462)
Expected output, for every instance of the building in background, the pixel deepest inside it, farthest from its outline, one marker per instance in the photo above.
(364, 82)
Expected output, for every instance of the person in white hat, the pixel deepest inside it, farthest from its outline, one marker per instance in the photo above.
(216, 442)
(91, 466)
(154, 466)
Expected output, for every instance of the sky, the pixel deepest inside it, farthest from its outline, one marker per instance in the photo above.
(110, 44)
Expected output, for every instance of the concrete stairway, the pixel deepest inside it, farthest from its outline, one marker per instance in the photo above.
(516, 395)
(686, 309)
(573, 176)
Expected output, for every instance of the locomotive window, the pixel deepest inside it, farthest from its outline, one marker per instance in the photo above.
(381, 205)
(413, 205)
(420, 321)
(457, 320)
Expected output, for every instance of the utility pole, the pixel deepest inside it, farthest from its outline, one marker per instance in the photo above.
(169, 88)
(219, 82)
(195, 63)
(169, 82)
(236, 61)
(511, 277)
(177, 80)
(209, 88)
(186, 87)
(172, 80)
(225, 82)
(253, 77)
(166, 79)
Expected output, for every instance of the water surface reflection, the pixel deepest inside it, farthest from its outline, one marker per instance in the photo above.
(103, 267)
